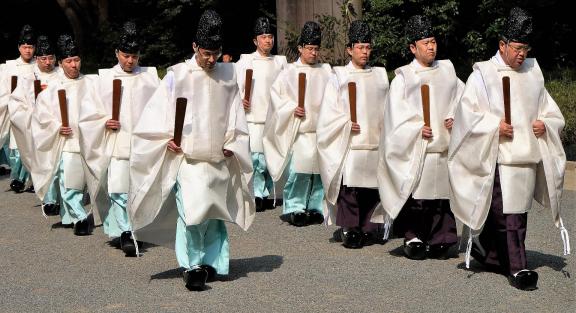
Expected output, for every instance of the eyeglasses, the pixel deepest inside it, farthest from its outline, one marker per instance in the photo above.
(520, 48)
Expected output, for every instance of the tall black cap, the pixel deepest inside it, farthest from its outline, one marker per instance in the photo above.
(66, 47)
(418, 27)
(43, 47)
(310, 35)
(129, 41)
(209, 33)
(262, 26)
(27, 36)
(359, 32)
(518, 27)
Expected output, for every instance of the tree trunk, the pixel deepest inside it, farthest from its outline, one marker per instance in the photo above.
(84, 16)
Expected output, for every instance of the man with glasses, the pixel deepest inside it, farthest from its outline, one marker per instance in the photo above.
(189, 189)
(22, 103)
(22, 67)
(290, 131)
(413, 173)
(265, 68)
(348, 148)
(502, 156)
(106, 142)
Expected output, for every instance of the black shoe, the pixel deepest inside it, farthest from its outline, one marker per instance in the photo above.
(211, 272)
(268, 204)
(297, 219)
(259, 205)
(372, 238)
(127, 244)
(4, 171)
(353, 239)
(314, 217)
(17, 186)
(524, 280)
(51, 209)
(338, 235)
(415, 250)
(279, 202)
(439, 251)
(84, 227)
(195, 279)
(30, 189)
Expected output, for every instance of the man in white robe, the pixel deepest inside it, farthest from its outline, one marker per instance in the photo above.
(186, 193)
(105, 142)
(412, 168)
(496, 168)
(22, 67)
(57, 147)
(290, 131)
(21, 107)
(266, 68)
(347, 150)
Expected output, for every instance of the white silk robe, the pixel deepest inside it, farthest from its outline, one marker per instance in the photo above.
(476, 147)
(409, 164)
(286, 134)
(214, 121)
(343, 156)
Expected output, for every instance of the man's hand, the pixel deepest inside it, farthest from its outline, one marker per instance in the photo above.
(112, 125)
(426, 132)
(227, 153)
(539, 128)
(65, 131)
(355, 127)
(506, 130)
(300, 112)
(246, 104)
(173, 147)
(448, 123)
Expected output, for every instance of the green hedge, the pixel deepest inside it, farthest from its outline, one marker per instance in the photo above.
(561, 85)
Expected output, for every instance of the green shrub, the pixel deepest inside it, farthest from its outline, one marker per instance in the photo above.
(561, 85)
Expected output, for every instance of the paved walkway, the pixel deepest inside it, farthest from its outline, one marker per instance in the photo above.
(273, 268)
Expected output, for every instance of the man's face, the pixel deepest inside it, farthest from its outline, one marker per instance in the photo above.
(309, 54)
(513, 53)
(26, 52)
(127, 61)
(264, 43)
(71, 67)
(360, 54)
(424, 50)
(46, 63)
(205, 58)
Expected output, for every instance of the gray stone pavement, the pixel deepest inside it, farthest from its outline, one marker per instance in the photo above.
(273, 268)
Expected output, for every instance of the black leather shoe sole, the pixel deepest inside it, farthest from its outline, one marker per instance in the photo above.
(84, 227)
(195, 279)
(353, 240)
(211, 272)
(127, 244)
(525, 280)
(439, 252)
(51, 209)
(298, 219)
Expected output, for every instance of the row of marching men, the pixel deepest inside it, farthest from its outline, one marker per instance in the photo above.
(170, 161)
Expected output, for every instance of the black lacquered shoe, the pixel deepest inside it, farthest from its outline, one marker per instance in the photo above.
(195, 279)
(17, 185)
(314, 217)
(210, 270)
(268, 204)
(127, 244)
(524, 280)
(439, 251)
(84, 227)
(353, 239)
(259, 204)
(297, 219)
(51, 209)
(415, 250)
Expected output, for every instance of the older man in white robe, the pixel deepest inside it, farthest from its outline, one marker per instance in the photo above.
(505, 151)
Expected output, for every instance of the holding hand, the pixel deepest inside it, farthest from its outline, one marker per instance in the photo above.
(355, 127)
(539, 128)
(246, 104)
(112, 124)
(448, 123)
(227, 153)
(506, 130)
(300, 112)
(65, 131)
(173, 147)
(426, 132)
